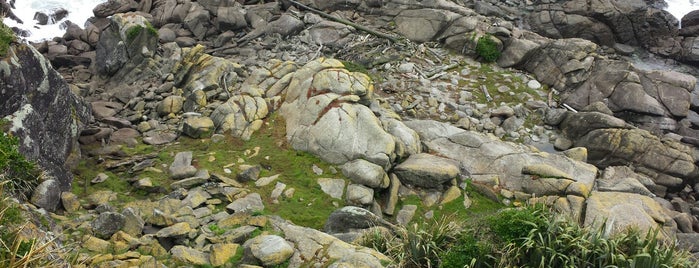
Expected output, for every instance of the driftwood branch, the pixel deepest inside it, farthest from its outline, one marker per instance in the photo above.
(343, 21)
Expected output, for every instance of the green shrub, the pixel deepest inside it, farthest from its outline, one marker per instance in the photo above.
(487, 48)
(7, 36)
(564, 243)
(20, 174)
(418, 245)
(467, 251)
(511, 225)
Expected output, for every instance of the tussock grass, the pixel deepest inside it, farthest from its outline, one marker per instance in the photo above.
(525, 237)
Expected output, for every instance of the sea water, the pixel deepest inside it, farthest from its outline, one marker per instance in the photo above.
(78, 12)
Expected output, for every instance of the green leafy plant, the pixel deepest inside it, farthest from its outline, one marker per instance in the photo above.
(418, 245)
(512, 224)
(487, 48)
(7, 36)
(20, 174)
(467, 251)
(564, 243)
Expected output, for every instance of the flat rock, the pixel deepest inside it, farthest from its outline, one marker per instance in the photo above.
(426, 170)
(189, 255)
(623, 210)
(269, 249)
(250, 203)
(333, 187)
(177, 229)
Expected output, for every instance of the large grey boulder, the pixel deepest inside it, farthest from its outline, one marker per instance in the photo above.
(308, 242)
(107, 223)
(605, 22)
(352, 218)
(487, 157)
(129, 37)
(422, 25)
(270, 250)
(427, 171)
(623, 179)
(112, 7)
(324, 115)
(623, 210)
(610, 142)
(366, 173)
(44, 114)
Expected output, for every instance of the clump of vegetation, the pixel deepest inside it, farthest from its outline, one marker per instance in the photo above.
(487, 48)
(511, 225)
(133, 32)
(418, 245)
(20, 175)
(7, 36)
(15, 251)
(525, 237)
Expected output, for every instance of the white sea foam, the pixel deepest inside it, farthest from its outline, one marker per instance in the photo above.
(679, 8)
(79, 12)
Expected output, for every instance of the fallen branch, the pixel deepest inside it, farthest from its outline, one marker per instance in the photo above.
(486, 93)
(343, 21)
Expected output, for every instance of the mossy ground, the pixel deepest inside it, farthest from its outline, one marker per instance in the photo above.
(309, 206)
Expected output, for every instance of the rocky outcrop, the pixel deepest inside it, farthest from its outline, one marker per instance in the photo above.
(44, 113)
(325, 115)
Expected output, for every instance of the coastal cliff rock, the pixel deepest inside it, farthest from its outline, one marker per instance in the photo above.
(46, 116)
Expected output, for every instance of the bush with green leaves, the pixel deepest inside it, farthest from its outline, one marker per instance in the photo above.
(487, 48)
(20, 174)
(513, 224)
(467, 251)
(417, 245)
(564, 243)
(7, 36)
